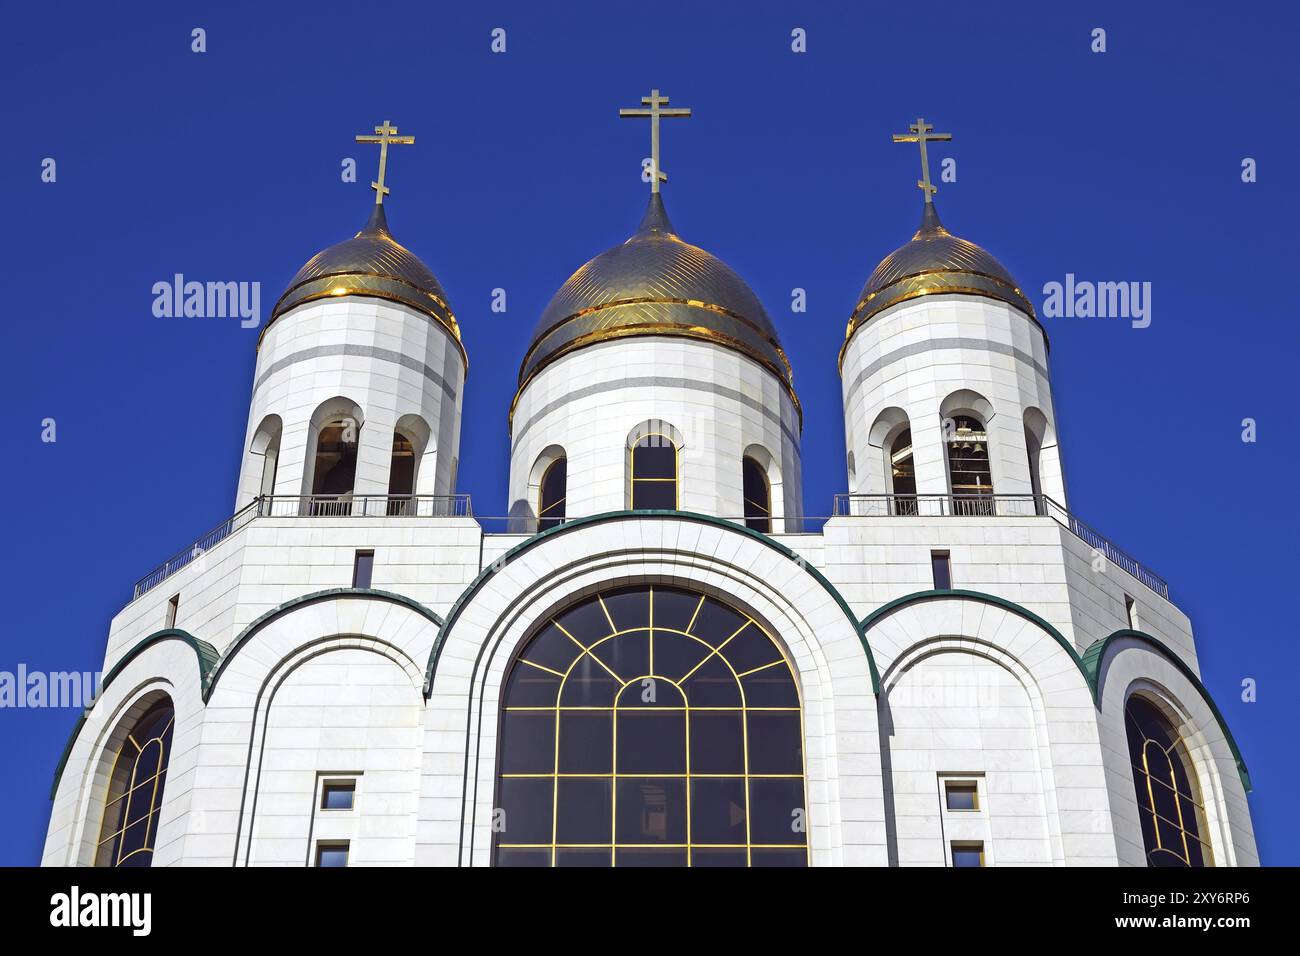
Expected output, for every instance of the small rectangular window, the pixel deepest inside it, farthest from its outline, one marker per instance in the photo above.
(1131, 610)
(362, 569)
(337, 794)
(968, 853)
(173, 605)
(961, 795)
(941, 564)
(333, 853)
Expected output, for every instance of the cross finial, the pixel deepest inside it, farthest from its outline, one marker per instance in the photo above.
(922, 132)
(655, 112)
(386, 134)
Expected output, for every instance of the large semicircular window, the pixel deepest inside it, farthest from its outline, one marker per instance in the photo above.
(650, 726)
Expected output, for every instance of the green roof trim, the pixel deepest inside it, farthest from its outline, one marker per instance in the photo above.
(207, 658)
(574, 524)
(302, 601)
(212, 663)
(1095, 656)
(940, 594)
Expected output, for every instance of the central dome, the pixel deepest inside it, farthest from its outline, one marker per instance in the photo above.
(656, 284)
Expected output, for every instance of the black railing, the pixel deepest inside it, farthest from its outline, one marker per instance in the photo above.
(310, 506)
(999, 506)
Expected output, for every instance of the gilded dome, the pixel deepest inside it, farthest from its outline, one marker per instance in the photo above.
(655, 283)
(935, 262)
(371, 263)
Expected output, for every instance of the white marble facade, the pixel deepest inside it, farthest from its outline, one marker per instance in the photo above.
(283, 675)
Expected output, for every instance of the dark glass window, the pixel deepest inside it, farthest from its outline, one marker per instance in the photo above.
(941, 565)
(332, 854)
(363, 567)
(554, 490)
(135, 790)
(654, 474)
(758, 496)
(969, 473)
(961, 795)
(1169, 806)
(968, 854)
(337, 794)
(651, 726)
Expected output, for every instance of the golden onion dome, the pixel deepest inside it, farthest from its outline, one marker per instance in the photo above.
(656, 283)
(373, 264)
(935, 262)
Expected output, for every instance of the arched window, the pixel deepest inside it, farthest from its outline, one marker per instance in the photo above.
(1169, 807)
(650, 726)
(135, 790)
(551, 494)
(654, 473)
(335, 471)
(969, 474)
(758, 496)
(401, 476)
(902, 474)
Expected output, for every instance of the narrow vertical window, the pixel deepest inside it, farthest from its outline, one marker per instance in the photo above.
(941, 566)
(654, 474)
(758, 496)
(363, 567)
(173, 607)
(1131, 612)
(553, 494)
(969, 473)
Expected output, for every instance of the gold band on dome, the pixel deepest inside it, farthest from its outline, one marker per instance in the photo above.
(540, 338)
(336, 285)
(699, 332)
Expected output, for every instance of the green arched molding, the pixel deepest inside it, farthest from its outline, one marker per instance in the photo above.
(1096, 655)
(314, 598)
(689, 516)
(207, 659)
(940, 594)
(212, 664)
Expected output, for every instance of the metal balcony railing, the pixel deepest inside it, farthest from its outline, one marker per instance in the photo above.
(364, 506)
(310, 506)
(996, 506)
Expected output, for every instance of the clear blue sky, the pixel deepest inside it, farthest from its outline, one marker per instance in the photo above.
(225, 166)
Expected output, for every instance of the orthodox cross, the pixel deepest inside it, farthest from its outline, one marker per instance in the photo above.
(386, 134)
(655, 102)
(923, 133)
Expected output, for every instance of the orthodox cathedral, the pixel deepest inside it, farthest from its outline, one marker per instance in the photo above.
(656, 660)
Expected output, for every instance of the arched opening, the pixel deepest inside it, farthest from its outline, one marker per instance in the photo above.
(334, 471)
(1170, 808)
(758, 495)
(129, 831)
(970, 474)
(551, 494)
(900, 470)
(1039, 445)
(650, 726)
(401, 476)
(654, 473)
(266, 443)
